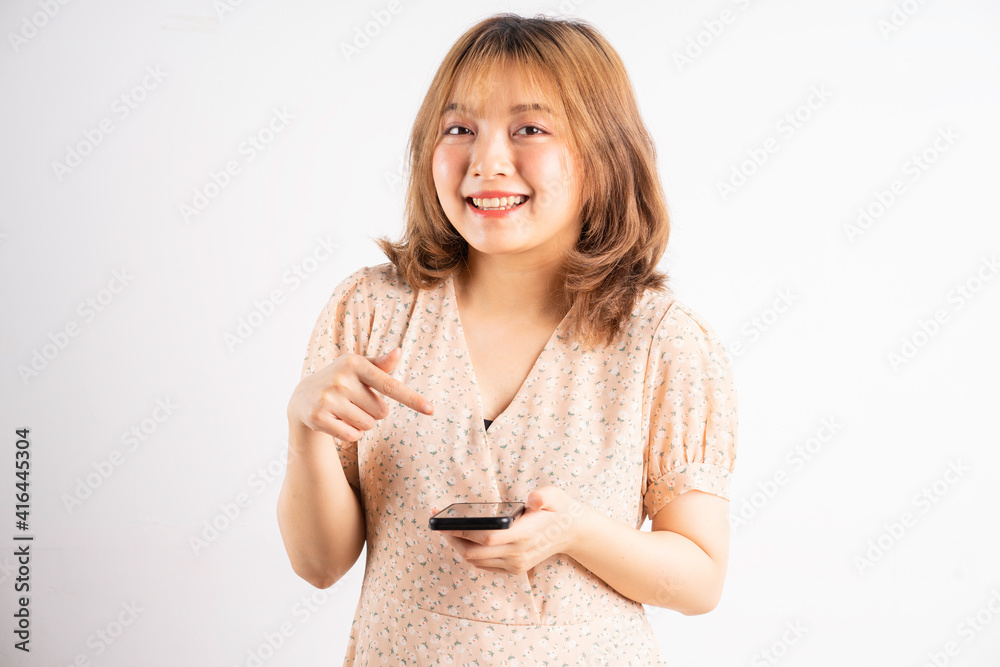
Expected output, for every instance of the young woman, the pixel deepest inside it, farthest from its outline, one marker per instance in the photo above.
(527, 348)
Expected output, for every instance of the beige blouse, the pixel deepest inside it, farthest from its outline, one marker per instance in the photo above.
(624, 429)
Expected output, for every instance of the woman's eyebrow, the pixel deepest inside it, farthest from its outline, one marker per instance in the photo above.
(517, 108)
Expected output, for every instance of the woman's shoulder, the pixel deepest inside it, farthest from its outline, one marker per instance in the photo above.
(385, 278)
(377, 282)
(663, 312)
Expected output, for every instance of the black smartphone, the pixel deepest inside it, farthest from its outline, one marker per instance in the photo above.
(476, 516)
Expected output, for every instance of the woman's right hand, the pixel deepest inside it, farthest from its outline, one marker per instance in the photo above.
(340, 399)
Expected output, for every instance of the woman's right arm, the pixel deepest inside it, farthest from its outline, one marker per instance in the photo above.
(322, 521)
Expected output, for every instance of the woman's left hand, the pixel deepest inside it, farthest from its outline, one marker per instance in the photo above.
(548, 526)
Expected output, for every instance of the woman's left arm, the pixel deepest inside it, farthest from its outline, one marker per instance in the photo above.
(681, 564)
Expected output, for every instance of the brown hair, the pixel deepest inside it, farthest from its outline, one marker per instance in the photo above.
(625, 225)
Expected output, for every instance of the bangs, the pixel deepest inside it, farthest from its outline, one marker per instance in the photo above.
(477, 84)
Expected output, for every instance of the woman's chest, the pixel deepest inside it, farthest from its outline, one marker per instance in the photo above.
(570, 417)
(502, 356)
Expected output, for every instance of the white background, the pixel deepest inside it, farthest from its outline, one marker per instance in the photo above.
(801, 528)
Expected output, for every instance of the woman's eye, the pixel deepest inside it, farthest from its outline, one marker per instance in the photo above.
(533, 127)
(455, 127)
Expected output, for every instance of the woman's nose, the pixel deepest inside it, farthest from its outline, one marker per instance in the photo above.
(491, 155)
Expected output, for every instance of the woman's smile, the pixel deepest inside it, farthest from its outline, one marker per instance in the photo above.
(496, 204)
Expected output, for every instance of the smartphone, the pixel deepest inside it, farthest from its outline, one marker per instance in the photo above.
(477, 516)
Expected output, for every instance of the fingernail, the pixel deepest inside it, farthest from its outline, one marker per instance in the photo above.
(427, 407)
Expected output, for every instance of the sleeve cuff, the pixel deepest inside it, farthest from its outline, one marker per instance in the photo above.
(706, 477)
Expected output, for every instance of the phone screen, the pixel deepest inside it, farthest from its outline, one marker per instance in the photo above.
(476, 510)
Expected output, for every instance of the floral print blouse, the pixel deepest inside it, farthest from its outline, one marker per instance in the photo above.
(624, 429)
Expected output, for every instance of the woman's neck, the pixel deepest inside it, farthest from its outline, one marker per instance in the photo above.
(505, 288)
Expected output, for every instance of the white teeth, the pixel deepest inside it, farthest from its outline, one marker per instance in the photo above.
(494, 203)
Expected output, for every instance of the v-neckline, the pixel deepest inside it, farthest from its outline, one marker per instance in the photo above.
(472, 371)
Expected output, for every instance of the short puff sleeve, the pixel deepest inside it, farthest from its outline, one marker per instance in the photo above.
(343, 327)
(692, 406)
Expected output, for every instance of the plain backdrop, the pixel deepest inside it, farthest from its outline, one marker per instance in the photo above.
(831, 173)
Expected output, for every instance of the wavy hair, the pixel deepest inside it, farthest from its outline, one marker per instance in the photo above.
(625, 224)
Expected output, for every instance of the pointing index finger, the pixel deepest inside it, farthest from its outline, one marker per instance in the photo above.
(385, 384)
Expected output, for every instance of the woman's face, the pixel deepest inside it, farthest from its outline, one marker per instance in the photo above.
(519, 150)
